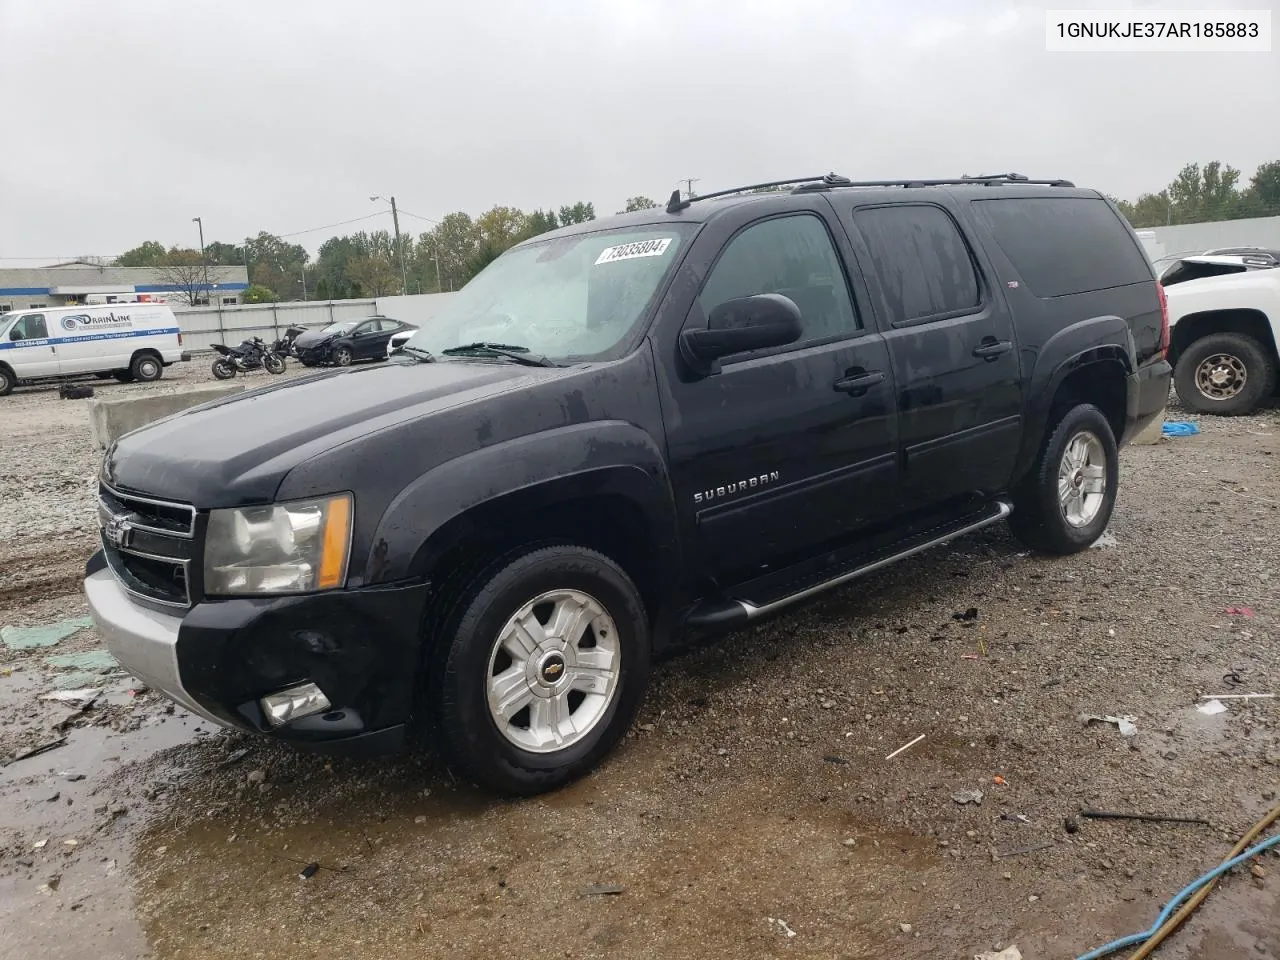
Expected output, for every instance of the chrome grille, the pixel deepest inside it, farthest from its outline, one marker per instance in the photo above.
(149, 545)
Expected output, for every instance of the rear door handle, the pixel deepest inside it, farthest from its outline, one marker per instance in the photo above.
(856, 384)
(990, 348)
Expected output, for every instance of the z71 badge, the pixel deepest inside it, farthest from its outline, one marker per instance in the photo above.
(737, 487)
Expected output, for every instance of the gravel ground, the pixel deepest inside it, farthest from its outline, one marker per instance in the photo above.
(753, 798)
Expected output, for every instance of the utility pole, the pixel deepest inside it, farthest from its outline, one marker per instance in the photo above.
(204, 264)
(395, 219)
(304, 283)
(688, 184)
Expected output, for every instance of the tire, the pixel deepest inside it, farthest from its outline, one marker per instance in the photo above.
(274, 363)
(223, 369)
(146, 368)
(7, 381)
(123, 376)
(521, 755)
(1227, 374)
(1041, 519)
(341, 356)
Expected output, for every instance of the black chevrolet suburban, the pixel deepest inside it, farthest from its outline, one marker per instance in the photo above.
(621, 433)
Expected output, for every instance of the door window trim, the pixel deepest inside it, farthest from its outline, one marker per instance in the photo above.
(984, 287)
(861, 330)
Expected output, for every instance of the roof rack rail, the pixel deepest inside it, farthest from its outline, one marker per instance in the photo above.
(830, 181)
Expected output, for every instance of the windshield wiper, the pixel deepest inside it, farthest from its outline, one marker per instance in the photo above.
(418, 354)
(507, 350)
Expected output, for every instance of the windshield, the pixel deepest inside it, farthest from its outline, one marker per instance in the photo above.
(343, 326)
(578, 296)
(6, 321)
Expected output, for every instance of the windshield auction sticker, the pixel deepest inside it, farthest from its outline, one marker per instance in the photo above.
(632, 251)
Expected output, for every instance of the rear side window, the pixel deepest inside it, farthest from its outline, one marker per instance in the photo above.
(1064, 245)
(922, 261)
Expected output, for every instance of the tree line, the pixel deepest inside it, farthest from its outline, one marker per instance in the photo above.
(444, 258)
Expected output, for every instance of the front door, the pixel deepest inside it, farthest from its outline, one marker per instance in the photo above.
(789, 448)
(28, 349)
(952, 346)
(369, 340)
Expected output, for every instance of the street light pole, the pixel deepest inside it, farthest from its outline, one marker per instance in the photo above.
(395, 219)
(204, 264)
(304, 283)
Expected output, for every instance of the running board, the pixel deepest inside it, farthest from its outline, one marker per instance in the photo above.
(747, 604)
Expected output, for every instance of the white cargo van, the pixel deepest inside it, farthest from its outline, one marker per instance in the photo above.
(130, 341)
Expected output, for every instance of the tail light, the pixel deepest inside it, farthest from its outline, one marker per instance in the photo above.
(180, 335)
(1164, 321)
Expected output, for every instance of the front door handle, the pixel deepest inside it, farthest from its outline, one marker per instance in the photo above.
(857, 382)
(991, 348)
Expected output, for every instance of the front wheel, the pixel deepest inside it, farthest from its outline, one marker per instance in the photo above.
(1065, 503)
(341, 357)
(545, 662)
(1224, 373)
(223, 369)
(273, 363)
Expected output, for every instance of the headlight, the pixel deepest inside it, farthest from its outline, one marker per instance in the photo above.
(296, 547)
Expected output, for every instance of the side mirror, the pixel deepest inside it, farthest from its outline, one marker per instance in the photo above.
(15, 334)
(736, 326)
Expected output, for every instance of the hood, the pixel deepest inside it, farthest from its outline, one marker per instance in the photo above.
(313, 338)
(237, 450)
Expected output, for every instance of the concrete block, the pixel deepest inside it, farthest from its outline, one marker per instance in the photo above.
(1153, 432)
(109, 420)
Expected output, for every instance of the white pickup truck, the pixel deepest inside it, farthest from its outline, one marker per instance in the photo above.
(1224, 315)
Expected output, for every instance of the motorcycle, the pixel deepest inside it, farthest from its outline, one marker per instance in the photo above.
(286, 346)
(251, 354)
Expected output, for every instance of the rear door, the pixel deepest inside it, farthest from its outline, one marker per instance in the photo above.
(951, 341)
(28, 349)
(788, 448)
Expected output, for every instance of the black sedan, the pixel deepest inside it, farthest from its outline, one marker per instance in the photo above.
(348, 341)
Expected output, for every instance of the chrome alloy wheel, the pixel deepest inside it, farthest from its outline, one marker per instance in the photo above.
(553, 671)
(1082, 479)
(1221, 376)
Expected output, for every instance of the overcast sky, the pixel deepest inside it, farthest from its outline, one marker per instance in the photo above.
(122, 120)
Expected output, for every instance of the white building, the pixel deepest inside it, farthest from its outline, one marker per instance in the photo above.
(67, 284)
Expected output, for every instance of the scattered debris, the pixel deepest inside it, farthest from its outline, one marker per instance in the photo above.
(967, 796)
(905, 927)
(1239, 612)
(601, 890)
(782, 924)
(1125, 725)
(83, 696)
(40, 844)
(1019, 851)
(256, 776)
(1105, 540)
(235, 756)
(72, 842)
(28, 638)
(36, 751)
(94, 661)
(1212, 707)
(905, 747)
(849, 842)
(309, 871)
(970, 614)
(1151, 818)
(1179, 428)
(1070, 826)
(832, 758)
(1009, 953)
(999, 780)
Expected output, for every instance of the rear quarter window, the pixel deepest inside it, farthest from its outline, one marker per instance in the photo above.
(1064, 245)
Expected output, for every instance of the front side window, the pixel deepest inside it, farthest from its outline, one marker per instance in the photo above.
(30, 327)
(792, 256)
(922, 261)
(579, 296)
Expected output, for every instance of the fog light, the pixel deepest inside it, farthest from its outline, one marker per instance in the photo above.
(294, 703)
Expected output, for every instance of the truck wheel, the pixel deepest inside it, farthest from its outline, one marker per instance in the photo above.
(1065, 503)
(544, 664)
(7, 381)
(146, 368)
(1224, 373)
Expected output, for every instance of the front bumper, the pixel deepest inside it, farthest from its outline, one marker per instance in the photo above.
(217, 659)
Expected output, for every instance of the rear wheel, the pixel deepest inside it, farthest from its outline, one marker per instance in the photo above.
(544, 663)
(1065, 503)
(1224, 373)
(146, 368)
(7, 381)
(223, 369)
